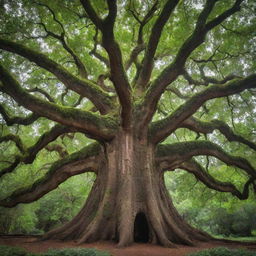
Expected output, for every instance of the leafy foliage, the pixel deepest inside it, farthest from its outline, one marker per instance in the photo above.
(13, 251)
(222, 251)
(75, 252)
(16, 251)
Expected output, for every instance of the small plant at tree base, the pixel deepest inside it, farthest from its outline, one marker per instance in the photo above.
(126, 90)
(222, 251)
(75, 252)
(12, 251)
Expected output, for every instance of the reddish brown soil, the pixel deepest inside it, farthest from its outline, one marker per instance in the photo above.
(30, 244)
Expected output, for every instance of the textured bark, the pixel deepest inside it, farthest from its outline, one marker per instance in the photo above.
(129, 201)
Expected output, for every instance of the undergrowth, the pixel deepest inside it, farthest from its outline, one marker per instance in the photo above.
(222, 251)
(16, 251)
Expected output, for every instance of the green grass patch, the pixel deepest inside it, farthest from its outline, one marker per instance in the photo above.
(13, 251)
(16, 251)
(75, 252)
(242, 239)
(222, 251)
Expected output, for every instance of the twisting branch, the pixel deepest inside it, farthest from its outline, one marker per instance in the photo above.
(117, 72)
(44, 93)
(208, 127)
(177, 93)
(85, 160)
(95, 126)
(16, 119)
(92, 14)
(134, 54)
(201, 174)
(183, 151)
(147, 65)
(163, 128)
(85, 88)
(81, 68)
(140, 42)
(29, 154)
(172, 71)
(206, 80)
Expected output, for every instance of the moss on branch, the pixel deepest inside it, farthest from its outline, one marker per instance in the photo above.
(98, 127)
(185, 150)
(159, 130)
(84, 87)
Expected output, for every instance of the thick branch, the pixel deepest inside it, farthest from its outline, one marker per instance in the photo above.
(154, 38)
(183, 151)
(83, 87)
(117, 72)
(85, 160)
(201, 174)
(208, 127)
(140, 42)
(95, 126)
(92, 14)
(17, 120)
(163, 128)
(94, 50)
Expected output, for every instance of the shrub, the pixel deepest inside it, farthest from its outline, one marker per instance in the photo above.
(75, 252)
(12, 251)
(222, 251)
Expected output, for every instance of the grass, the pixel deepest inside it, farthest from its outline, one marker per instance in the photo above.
(241, 239)
(222, 251)
(16, 251)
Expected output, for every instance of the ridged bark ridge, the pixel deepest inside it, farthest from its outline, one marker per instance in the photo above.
(129, 201)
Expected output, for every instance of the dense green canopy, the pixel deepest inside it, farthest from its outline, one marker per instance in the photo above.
(76, 72)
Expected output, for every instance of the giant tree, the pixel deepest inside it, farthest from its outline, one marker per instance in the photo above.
(129, 75)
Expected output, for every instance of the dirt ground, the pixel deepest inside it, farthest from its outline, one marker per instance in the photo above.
(31, 244)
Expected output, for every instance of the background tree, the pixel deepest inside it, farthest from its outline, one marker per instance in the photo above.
(144, 80)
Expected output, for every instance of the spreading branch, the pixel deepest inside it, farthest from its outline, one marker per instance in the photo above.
(140, 41)
(94, 50)
(161, 129)
(93, 125)
(148, 61)
(208, 127)
(117, 72)
(85, 88)
(85, 160)
(183, 151)
(206, 80)
(201, 174)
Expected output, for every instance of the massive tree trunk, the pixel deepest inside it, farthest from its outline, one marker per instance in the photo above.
(129, 202)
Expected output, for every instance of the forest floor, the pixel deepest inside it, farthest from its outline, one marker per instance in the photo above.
(31, 244)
